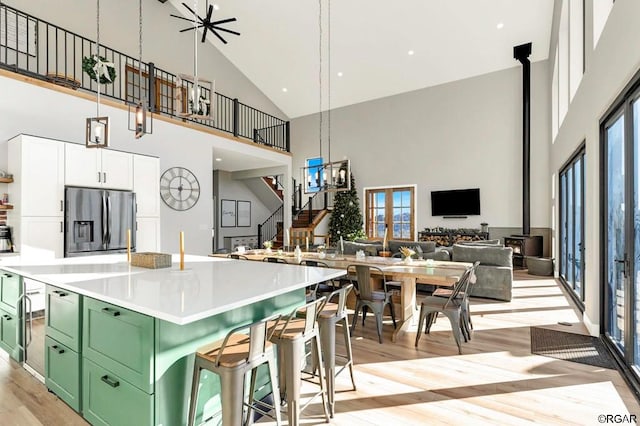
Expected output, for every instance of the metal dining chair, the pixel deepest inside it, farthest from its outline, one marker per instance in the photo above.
(451, 307)
(466, 323)
(368, 297)
(318, 288)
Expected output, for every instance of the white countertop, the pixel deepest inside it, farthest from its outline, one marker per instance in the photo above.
(208, 286)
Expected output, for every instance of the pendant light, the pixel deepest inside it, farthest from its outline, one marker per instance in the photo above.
(331, 175)
(97, 128)
(140, 126)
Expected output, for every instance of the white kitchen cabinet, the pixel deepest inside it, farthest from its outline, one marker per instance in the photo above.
(98, 168)
(38, 168)
(146, 185)
(40, 237)
(148, 234)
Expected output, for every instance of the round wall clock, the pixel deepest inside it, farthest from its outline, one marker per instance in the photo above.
(179, 188)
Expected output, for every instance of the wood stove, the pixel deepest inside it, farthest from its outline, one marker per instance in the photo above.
(524, 245)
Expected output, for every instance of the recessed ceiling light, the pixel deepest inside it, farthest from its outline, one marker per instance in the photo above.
(411, 52)
(500, 25)
(284, 89)
(216, 7)
(339, 73)
(218, 159)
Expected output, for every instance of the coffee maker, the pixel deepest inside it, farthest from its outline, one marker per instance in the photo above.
(5, 239)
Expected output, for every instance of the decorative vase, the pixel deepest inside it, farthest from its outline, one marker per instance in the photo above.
(408, 260)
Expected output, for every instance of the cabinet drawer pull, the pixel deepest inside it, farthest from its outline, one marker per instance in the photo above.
(60, 293)
(7, 317)
(8, 275)
(57, 349)
(61, 205)
(110, 382)
(111, 312)
(98, 176)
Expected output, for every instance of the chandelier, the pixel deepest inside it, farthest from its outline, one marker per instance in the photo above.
(327, 175)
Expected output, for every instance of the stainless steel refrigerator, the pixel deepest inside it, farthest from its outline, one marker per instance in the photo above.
(96, 221)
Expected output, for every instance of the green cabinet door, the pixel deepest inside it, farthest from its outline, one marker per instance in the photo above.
(10, 291)
(62, 372)
(9, 329)
(119, 340)
(108, 399)
(63, 313)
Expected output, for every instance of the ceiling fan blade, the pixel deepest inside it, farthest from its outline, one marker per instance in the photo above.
(209, 13)
(224, 21)
(204, 34)
(218, 35)
(190, 10)
(225, 30)
(190, 28)
(182, 17)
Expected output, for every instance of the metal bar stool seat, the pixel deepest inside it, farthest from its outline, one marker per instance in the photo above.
(231, 359)
(291, 338)
(331, 316)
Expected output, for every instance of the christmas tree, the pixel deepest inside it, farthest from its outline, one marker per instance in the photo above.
(346, 218)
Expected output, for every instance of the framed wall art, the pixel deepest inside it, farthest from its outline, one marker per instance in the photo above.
(243, 210)
(228, 213)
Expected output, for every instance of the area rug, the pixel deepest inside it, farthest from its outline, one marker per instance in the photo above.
(570, 347)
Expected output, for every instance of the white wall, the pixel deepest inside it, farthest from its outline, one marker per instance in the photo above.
(162, 43)
(611, 66)
(464, 134)
(27, 108)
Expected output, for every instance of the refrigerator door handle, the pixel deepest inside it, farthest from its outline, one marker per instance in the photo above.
(108, 219)
(104, 221)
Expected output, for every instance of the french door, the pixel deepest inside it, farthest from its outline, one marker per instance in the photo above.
(572, 224)
(392, 209)
(621, 254)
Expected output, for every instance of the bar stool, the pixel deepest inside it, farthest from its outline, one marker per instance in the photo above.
(290, 338)
(332, 315)
(231, 359)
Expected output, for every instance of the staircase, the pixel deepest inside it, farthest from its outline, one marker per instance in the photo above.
(275, 186)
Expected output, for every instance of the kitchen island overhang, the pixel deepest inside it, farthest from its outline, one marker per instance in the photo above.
(206, 287)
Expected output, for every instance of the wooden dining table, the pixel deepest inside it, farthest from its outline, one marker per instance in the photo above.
(409, 274)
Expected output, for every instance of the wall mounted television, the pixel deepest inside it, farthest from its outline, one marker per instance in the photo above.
(457, 202)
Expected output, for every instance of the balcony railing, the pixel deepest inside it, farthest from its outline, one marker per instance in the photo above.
(39, 49)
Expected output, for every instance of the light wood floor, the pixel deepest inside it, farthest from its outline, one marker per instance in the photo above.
(496, 381)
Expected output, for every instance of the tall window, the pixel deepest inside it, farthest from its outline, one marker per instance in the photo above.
(393, 208)
(313, 178)
(572, 224)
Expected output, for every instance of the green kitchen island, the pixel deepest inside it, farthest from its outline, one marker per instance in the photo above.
(120, 340)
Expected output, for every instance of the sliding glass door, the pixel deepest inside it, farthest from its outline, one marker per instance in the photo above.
(572, 224)
(621, 268)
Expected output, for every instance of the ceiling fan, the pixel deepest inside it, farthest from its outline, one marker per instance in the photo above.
(207, 23)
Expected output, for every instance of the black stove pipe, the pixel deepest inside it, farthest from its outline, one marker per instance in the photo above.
(521, 53)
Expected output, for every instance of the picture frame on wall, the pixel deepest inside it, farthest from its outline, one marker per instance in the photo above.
(243, 216)
(228, 213)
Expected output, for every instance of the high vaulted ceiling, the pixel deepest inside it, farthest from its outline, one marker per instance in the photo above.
(370, 43)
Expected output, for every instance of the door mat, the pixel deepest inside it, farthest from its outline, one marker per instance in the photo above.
(570, 347)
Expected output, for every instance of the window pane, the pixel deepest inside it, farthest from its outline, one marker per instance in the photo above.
(615, 238)
(577, 222)
(563, 225)
(570, 216)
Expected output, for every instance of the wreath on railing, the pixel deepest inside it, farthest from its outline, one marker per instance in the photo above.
(94, 66)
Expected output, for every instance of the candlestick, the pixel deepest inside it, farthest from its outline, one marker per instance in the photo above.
(181, 250)
(129, 245)
(307, 241)
(341, 246)
(286, 238)
(384, 242)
